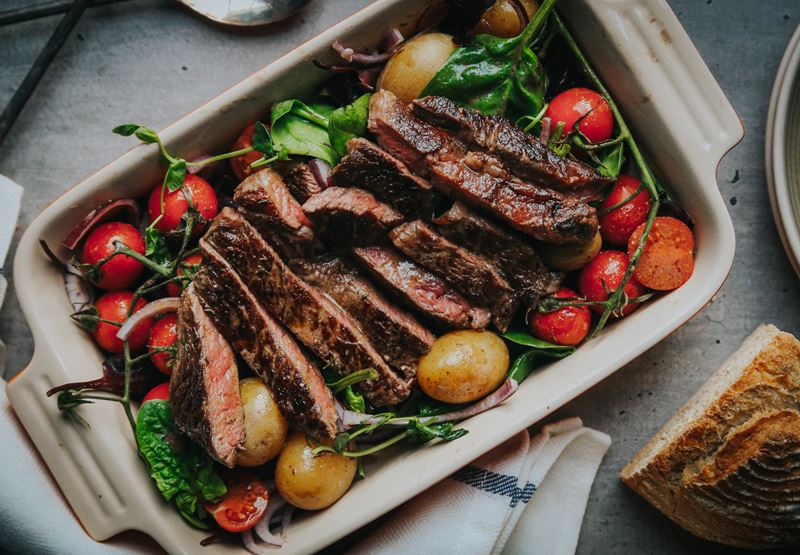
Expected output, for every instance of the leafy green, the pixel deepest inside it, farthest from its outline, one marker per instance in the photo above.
(181, 469)
(522, 338)
(494, 75)
(348, 122)
(422, 433)
(156, 247)
(262, 140)
(300, 129)
(353, 378)
(144, 134)
(529, 360)
(610, 161)
(176, 175)
(354, 400)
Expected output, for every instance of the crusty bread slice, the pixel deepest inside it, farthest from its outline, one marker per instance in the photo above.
(727, 466)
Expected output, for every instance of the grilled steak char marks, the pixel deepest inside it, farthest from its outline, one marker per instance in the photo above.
(478, 177)
(516, 258)
(471, 275)
(525, 154)
(366, 166)
(351, 217)
(266, 346)
(396, 335)
(300, 181)
(267, 201)
(420, 289)
(316, 321)
(204, 386)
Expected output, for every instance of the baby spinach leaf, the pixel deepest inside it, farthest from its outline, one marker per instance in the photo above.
(528, 361)
(522, 338)
(611, 160)
(176, 175)
(300, 129)
(144, 134)
(262, 140)
(347, 123)
(494, 75)
(155, 247)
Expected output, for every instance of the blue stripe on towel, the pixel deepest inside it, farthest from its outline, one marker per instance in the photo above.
(499, 484)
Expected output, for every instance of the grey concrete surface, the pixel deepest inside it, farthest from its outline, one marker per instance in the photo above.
(151, 61)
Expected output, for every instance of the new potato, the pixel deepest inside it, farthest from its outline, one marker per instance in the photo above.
(414, 64)
(463, 366)
(264, 426)
(311, 481)
(502, 19)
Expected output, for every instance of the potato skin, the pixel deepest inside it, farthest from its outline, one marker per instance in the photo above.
(265, 427)
(308, 481)
(463, 366)
(570, 257)
(414, 64)
(502, 20)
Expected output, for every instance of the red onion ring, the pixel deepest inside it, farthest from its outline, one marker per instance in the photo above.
(321, 171)
(98, 215)
(169, 304)
(360, 58)
(546, 128)
(391, 40)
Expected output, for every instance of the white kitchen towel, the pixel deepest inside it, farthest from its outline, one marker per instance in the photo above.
(526, 496)
(35, 518)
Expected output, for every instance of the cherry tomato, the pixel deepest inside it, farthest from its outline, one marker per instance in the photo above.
(114, 307)
(204, 200)
(572, 104)
(189, 265)
(163, 334)
(243, 504)
(119, 271)
(241, 164)
(667, 261)
(608, 268)
(618, 224)
(161, 391)
(566, 326)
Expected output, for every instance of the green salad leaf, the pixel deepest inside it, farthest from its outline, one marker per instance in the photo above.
(298, 128)
(348, 122)
(610, 160)
(530, 359)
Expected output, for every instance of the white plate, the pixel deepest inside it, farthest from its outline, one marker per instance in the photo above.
(783, 151)
(668, 96)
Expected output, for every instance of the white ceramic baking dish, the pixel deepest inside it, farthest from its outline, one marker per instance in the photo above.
(668, 96)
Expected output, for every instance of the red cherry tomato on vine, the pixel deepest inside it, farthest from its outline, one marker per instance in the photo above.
(188, 265)
(243, 504)
(608, 268)
(161, 391)
(241, 164)
(204, 200)
(164, 333)
(573, 104)
(114, 307)
(566, 326)
(120, 271)
(617, 225)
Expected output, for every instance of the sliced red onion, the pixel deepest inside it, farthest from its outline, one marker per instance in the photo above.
(369, 77)
(391, 40)
(262, 528)
(286, 520)
(169, 304)
(321, 171)
(359, 58)
(544, 134)
(255, 548)
(128, 206)
(506, 390)
(79, 293)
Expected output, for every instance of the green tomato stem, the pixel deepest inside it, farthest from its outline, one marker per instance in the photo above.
(218, 157)
(126, 393)
(123, 249)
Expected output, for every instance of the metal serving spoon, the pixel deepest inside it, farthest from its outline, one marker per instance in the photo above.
(244, 13)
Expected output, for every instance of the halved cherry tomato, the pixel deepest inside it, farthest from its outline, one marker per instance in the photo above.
(243, 504)
(667, 261)
(566, 326)
(573, 104)
(189, 265)
(161, 391)
(606, 272)
(204, 200)
(617, 225)
(241, 164)
(120, 271)
(164, 333)
(114, 307)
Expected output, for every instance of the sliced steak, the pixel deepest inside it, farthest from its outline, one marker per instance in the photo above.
(396, 335)
(420, 289)
(265, 345)
(204, 386)
(371, 168)
(514, 256)
(270, 205)
(351, 217)
(523, 153)
(319, 323)
(471, 275)
(301, 182)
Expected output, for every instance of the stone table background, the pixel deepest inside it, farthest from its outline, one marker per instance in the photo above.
(151, 61)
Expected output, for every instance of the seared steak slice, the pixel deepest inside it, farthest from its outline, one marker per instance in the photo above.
(420, 289)
(267, 201)
(351, 217)
(396, 335)
(315, 320)
(204, 387)
(266, 346)
(515, 257)
(301, 182)
(471, 275)
(525, 154)
(371, 168)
